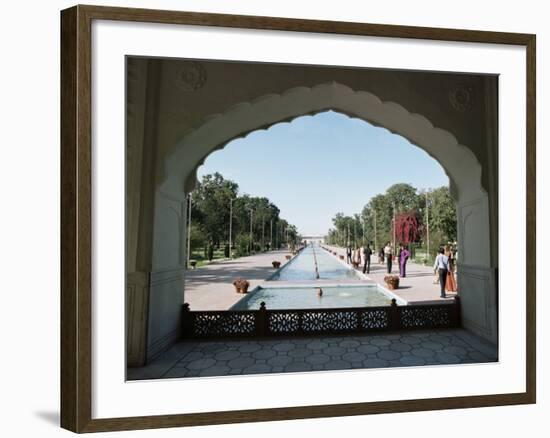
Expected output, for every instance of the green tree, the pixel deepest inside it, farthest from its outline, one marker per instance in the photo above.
(404, 197)
(443, 214)
(212, 199)
(198, 237)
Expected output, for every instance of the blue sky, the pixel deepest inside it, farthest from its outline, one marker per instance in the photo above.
(319, 165)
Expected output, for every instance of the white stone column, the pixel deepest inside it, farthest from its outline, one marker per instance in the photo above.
(476, 275)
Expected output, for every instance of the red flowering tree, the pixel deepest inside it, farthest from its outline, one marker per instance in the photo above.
(407, 227)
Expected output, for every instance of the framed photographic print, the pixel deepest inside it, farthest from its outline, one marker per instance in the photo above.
(305, 218)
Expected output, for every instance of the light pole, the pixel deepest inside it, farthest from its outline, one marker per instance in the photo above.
(250, 244)
(427, 228)
(230, 228)
(375, 233)
(394, 226)
(189, 233)
(271, 236)
(263, 233)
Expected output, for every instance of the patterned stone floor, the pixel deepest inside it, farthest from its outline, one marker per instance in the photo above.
(238, 357)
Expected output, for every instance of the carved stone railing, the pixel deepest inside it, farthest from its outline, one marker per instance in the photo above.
(299, 322)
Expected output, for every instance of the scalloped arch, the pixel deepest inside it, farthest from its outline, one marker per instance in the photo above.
(458, 161)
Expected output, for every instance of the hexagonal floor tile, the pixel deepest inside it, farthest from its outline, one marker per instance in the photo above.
(298, 366)
(241, 362)
(422, 352)
(389, 355)
(201, 364)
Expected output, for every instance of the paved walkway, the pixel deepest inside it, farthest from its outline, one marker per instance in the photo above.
(210, 287)
(237, 357)
(417, 287)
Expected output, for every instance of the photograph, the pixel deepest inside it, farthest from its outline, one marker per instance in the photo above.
(297, 218)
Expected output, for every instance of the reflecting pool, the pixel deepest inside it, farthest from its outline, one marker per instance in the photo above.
(302, 267)
(308, 297)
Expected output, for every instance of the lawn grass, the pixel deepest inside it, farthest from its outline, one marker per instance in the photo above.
(198, 255)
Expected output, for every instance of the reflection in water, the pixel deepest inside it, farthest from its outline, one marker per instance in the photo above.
(302, 267)
(308, 298)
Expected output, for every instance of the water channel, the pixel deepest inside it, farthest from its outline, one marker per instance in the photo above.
(315, 279)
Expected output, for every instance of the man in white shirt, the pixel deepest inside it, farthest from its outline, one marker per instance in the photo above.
(441, 266)
(388, 253)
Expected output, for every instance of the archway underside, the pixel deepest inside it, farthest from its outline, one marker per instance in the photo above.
(458, 161)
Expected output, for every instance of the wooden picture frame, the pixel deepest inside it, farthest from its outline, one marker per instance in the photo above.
(76, 218)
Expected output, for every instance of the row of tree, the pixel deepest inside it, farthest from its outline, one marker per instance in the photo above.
(416, 214)
(217, 209)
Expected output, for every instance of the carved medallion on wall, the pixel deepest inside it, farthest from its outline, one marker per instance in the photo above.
(461, 98)
(191, 76)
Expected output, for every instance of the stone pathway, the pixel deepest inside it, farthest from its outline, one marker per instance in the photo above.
(239, 357)
(211, 287)
(417, 287)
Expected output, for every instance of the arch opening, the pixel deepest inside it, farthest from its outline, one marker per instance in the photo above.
(458, 161)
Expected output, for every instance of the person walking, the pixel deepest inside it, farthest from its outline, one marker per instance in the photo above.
(357, 257)
(441, 266)
(381, 255)
(388, 254)
(367, 252)
(348, 255)
(404, 255)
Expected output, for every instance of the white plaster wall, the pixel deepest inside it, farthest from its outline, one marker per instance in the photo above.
(168, 269)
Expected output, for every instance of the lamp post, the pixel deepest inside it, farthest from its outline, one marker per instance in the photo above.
(427, 228)
(189, 233)
(394, 226)
(375, 233)
(230, 227)
(250, 243)
(263, 233)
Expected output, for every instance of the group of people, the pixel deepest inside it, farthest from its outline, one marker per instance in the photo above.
(386, 254)
(359, 257)
(362, 256)
(444, 268)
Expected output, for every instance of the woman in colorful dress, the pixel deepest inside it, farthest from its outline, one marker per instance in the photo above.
(404, 255)
(450, 284)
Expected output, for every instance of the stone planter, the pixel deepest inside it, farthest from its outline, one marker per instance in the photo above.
(392, 281)
(288, 257)
(193, 264)
(241, 285)
(341, 257)
(276, 265)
